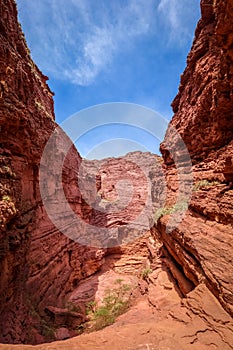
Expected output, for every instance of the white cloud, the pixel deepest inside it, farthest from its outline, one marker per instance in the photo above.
(170, 9)
(96, 53)
(77, 39)
(177, 16)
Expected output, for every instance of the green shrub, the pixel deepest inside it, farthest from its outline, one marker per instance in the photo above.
(91, 307)
(204, 183)
(179, 206)
(145, 273)
(103, 318)
(115, 302)
(161, 212)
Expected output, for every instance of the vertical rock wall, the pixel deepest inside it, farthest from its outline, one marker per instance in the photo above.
(38, 264)
(201, 246)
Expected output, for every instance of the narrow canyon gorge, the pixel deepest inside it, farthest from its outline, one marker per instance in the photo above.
(135, 225)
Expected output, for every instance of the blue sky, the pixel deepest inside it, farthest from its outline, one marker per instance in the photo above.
(102, 51)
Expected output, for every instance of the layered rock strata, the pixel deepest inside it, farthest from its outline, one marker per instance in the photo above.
(44, 272)
(39, 265)
(201, 246)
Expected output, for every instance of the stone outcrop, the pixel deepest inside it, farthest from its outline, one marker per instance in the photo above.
(41, 268)
(47, 278)
(199, 323)
(124, 198)
(204, 104)
(201, 246)
(35, 258)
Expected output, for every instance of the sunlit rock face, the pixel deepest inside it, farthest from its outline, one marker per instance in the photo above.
(202, 243)
(40, 265)
(203, 106)
(47, 278)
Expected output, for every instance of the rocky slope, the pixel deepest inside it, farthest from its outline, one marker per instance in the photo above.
(47, 279)
(202, 244)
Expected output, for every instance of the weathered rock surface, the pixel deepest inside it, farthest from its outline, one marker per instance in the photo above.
(198, 322)
(38, 264)
(202, 244)
(41, 268)
(123, 199)
(46, 279)
(204, 105)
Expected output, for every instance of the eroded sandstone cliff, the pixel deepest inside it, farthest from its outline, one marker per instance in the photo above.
(202, 244)
(38, 264)
(203, 107)
(44, 273)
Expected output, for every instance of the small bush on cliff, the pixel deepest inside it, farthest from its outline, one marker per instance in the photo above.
(179, 206)
(145, 273)
(161, 212)
(204, 183)
(91, 307)
(115, 302)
